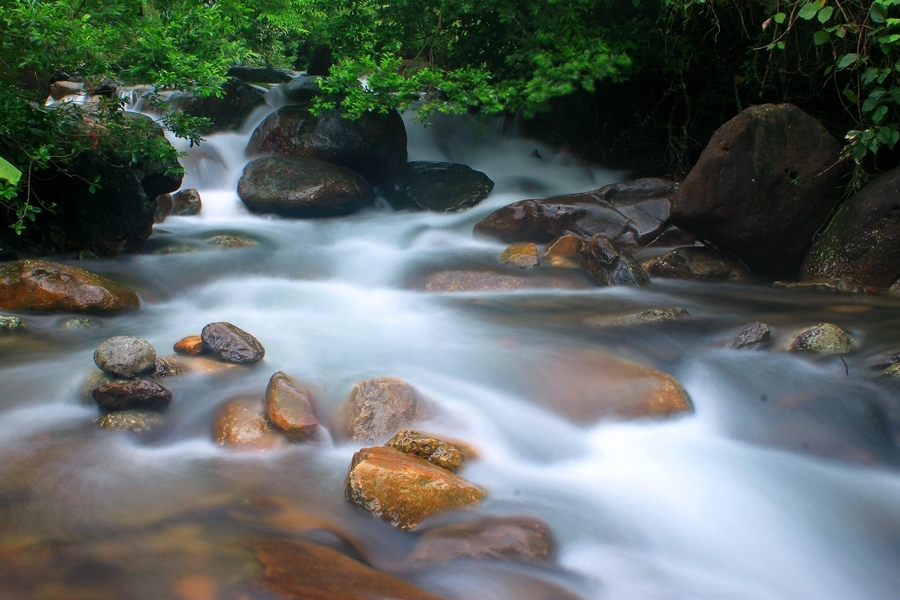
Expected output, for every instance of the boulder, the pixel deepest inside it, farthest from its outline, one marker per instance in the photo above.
(522, 256)
(300, 569)
(191, 345)
(520, 539)
(302, 188)
(132, 393)
(231, 344)
(186, 202)
(824, 338)
(51, 287)
(484, 280)
(442, 453)
(763, 187)
(376, 408)
(300, 90)
(404, 490)
(260, 74)
(11, 323)
(289, 408)
(752, 336)
(863, 239)
(373, 145)
(437, 186)
(644, 317)
(610, 265)
(125, 356)
(241, 425)
(696, 262)
(226, 112)
(634, 212)
(131, 421)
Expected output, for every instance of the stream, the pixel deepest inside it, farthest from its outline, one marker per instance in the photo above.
(783, 483)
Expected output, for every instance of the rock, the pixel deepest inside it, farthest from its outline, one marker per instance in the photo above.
(483, 280)
(520, 539)
(892, 371)
(303, 570)
(289, 408)
(566, 245)
(376, 408)
(91, 383)
(260, 74)
(82, 323)
(125, 356)
(845, 285)
(523, 256)
(302, 188)
(696, 262)
(672, 236)
(168, 367)
(240, 424)
(609, 265)
(163, 208)
(588, 386)
(373, 145)
(132, 393)
(894, 290)
(191, 345)
(630, 212)
(226, 112)
(51, 287)
(11, 323)
(437, 186)
(232, 344)
(186, 202)
(752, 336)
(863, 239)
(230, 240)
(442, 453)
(131, 421)
(763, 187)
(644, 317)
(824, 338)
(404, 490)
(301, 90)
(61, 89)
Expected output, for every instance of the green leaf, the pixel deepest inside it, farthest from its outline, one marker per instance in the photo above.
(879, 114)
(808, 11)
(847, 60)
(869, 75)
(820, 37)
(825, 14)
(9, 172)
(878, 12)
(850, 95)
(779, 18)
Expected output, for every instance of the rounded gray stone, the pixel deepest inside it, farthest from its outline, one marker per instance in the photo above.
(125, 356)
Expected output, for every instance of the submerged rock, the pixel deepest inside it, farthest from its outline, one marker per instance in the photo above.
(132, 393)
(845, 285)
(125, 356)
(644, 317)
(566, 245)
(376, 408)
(230, 343)
(240, 424)
(484, 280)
(437, 186)
(696, 262)
(442, 453)
(44, 286)
(610, 265)
(752, 336)
(892, 371)
(231, 240)
(289, 408)
(404, 490)
(11, 323)
(520, 539)
(186, 202)
(82, 323)
(131, 421)
(523, 256)
(824, 338)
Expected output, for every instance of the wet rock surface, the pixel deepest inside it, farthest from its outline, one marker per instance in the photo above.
(644, 317)
(186, 203)
(131, 421)
(132, 393)
(824, 338)
(38, 285)
(752, 336)
(520, 539)
(610, 265)
(231, 240)
(846, 285)
(302, 188)
(522, 256)
(484, 280)
(191, 345)
(404, 490)
(241, 425)
(226, 112)
(125, 356)
(377, 408)
(289, 407)
(442, 453)
(11, 323)
(437, 186)
(698, 263)
(232, 344)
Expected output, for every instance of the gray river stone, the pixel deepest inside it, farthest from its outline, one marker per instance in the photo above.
(125, 356)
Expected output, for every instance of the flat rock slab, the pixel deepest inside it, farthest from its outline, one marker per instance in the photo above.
(307, 571)
(45, 286)
(404, 490)
(437, 186)
(241, 425)
(232, 344)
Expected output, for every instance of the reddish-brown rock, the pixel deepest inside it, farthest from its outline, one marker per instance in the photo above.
(566, 245)
(450, 455)
(51, 287)
(133, 393)
(289, 407)
(404, 490)
(523, 256)
(240, 424)
(521, 539)
(378, 407)
(191, 345)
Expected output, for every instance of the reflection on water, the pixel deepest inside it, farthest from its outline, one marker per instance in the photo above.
(783, 484)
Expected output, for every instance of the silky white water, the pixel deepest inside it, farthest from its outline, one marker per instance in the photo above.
(782, 485)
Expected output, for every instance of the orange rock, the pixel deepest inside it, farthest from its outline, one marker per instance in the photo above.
(524, 256)
(51, 287)
(191, 345)
(289, 407)
(450, 455)
(496, 281)
(308, 571)
(404, 490)
(565, 245)
(240, 424)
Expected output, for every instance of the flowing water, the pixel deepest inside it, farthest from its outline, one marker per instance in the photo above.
(782, 484)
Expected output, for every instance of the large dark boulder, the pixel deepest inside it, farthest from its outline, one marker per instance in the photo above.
(44, 286)
(374, 144)
(632, 212)
(438, 186)
(302, 188)
(226, 112)
(863, 240)
(763, 186)
(300, 90)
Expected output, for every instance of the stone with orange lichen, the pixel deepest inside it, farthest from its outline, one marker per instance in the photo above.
(404, 490)
(523, 256)
(240, 424)
(289, 407)
(447, 454)
(191, 345)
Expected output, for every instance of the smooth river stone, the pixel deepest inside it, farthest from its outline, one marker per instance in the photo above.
(232, 344)
(378, 407)
(520, 539)
(241, 425)
(289, 407)
(125, 356)
(134, 393)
